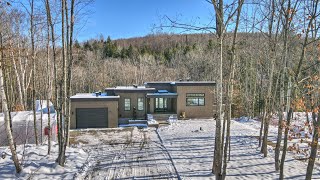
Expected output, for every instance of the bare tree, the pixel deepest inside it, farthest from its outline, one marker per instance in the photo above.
(5, 106)
(289, 13)
(53, 44)
(230, 84)
(33, 70)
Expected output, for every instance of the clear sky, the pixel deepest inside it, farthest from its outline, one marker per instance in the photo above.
(132, 18)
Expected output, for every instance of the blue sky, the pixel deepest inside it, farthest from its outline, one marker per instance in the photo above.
(132, 18)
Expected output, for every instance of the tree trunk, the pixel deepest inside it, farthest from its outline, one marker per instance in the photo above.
(280, 128)
(55, 102)
(33, 73)
(48, 86)
(218, 139)
(69, 68)
(7, 114)
(228, 106)
(18, 82)
(285, 143)
(314, 146)
(267, 112)
(262, 126)
(61, 112)
(217, 161)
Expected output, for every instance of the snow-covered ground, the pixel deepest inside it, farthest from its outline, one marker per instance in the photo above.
(192, 152)
(136, 154)
(38, 165)
(183, 149)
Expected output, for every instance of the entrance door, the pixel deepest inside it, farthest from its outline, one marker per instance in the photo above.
(161, 105)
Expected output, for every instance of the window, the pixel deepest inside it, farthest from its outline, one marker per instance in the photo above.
(161, 103)
(195, 99)
(140, 104)
(127, 105)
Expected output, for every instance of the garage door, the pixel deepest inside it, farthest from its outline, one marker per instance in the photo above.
(92, 117)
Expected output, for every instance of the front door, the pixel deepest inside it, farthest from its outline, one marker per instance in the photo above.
(161, 105)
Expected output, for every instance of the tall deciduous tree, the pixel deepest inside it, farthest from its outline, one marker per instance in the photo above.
(4, 102)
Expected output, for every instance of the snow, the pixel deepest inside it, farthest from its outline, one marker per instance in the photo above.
(38, 165)
(42, 105)
(91, 96)
(23, 127)
(180, 150)
(192, 152)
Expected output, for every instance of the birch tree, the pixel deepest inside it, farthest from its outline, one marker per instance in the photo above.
(4, 102)
(51, 30)
(32, 29)
(67, 62)
(230, 84)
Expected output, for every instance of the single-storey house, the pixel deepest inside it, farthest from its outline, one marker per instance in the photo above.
(187, 99)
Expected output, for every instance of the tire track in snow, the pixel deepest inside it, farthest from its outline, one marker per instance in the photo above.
(170, 158)
(145, 159)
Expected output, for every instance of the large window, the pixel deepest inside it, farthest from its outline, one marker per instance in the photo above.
(195, 99)
(140, 104)
(161, 103)
(127, 104)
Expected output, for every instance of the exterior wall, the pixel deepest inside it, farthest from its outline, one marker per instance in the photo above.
(205, 111)
(112, 111)
(161, 86)
(134, 103)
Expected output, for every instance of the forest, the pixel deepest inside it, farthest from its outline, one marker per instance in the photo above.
(263, 55)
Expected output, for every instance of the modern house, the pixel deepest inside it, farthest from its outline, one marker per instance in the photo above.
(187, 99)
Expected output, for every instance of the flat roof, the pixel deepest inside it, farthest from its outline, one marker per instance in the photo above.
(131, 89)
(159, 82)
(183, 83)
(92, 97)
(198, 83)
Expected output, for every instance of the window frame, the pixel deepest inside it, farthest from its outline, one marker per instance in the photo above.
(140, 98)
(125, 107)
(197, 97)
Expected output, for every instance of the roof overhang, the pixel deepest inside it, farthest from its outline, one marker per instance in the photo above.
(163, 95)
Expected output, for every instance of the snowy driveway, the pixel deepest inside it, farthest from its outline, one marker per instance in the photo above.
(134, 155)
(182, 150)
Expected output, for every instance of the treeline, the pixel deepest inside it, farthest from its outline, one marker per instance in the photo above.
(123, 62)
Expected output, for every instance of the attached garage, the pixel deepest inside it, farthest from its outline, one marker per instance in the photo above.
(91, 111)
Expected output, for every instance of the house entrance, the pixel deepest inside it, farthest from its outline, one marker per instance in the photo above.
(161, 104)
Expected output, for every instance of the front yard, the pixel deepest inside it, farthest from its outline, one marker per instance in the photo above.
(181, 150)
